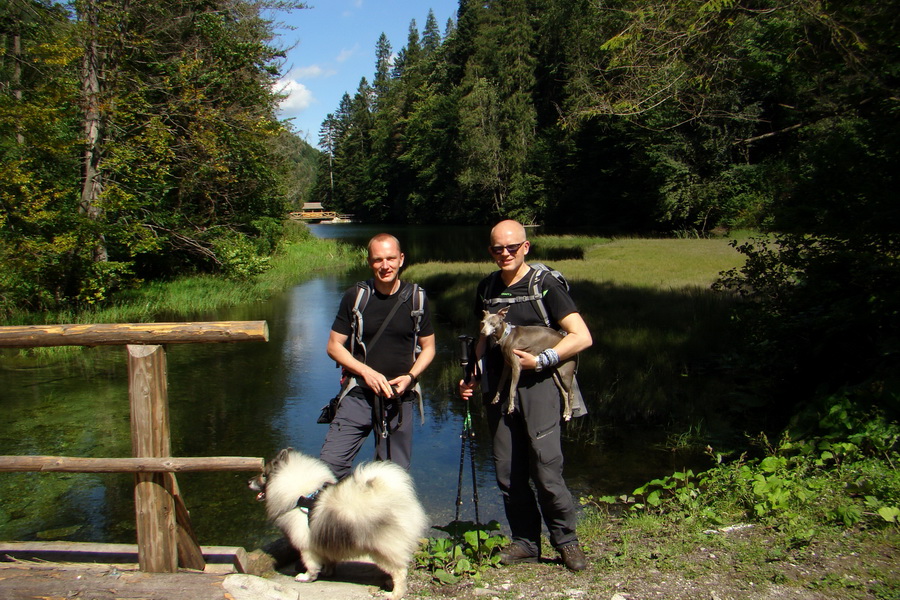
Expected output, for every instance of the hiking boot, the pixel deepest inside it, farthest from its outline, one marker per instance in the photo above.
(517, 553)
(573, 557)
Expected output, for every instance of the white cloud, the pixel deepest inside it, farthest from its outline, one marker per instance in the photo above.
(310, 72)
(346, 54)
(299, 97)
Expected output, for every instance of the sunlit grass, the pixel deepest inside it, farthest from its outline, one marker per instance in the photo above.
(657, 263)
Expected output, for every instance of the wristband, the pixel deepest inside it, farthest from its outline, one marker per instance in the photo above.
(547, 358)
(552, 357)
(413, 378)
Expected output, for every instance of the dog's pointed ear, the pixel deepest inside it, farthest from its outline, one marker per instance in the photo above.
(485, 314)
(283, 454)
(502, 312)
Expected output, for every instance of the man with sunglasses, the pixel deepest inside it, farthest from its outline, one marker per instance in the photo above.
(527, 443)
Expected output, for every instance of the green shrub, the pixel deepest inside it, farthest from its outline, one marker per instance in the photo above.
(238, 257)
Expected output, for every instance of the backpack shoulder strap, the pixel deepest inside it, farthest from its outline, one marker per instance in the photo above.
(417, 312)
(536, 286)
(501, 300)
(418, 306)
(363, 292)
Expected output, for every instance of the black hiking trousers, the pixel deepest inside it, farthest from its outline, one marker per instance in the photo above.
(527, 447)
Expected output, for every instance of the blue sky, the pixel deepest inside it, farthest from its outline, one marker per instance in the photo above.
(333, 47)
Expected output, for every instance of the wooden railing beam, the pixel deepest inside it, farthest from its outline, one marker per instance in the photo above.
(164, 533)
(76, 464)
(120, 334)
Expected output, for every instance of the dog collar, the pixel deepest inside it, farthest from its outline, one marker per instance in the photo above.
(506, 332)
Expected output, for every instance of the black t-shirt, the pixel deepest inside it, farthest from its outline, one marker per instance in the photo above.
(556, 300)
(393, 354)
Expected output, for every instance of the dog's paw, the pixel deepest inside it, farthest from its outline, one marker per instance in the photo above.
(304, 577)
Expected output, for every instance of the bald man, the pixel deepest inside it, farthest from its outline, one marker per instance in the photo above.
(527, 442)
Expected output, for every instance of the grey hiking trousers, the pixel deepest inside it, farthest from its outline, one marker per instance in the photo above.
(357, 416)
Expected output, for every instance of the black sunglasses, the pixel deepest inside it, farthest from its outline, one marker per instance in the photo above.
(512, 248)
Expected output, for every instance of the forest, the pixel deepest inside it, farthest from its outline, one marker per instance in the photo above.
(140, 141)
(628, 116)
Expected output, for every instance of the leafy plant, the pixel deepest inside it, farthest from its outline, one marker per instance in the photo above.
(468, 552)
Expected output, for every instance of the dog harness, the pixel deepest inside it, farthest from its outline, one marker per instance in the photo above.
(308, 503)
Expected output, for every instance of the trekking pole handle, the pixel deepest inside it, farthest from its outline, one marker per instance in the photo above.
(466, 356)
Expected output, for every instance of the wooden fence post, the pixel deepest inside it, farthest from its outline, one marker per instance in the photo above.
(164, 533)
(150, 436)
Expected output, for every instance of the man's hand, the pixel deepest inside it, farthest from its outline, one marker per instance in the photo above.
(378, 382)
(401, 384)
(467, 390)
(528, 361)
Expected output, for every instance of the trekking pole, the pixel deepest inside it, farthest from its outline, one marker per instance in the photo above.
(468, 422)
(462, 462)
(468, 433)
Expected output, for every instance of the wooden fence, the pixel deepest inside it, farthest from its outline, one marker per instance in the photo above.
(165, 539)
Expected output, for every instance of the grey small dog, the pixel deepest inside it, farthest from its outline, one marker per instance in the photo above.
(533, 339)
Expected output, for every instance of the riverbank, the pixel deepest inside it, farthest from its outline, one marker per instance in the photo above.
(299, 255)
(628, 563)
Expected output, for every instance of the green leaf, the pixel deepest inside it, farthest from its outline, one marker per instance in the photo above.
(889, 513)
(446, 578)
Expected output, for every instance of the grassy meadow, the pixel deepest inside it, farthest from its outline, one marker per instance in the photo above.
(661, 335)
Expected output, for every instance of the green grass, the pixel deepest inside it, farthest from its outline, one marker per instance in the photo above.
(661, 264)
(297, 258)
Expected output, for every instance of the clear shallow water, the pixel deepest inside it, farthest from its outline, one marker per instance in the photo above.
(252, 399)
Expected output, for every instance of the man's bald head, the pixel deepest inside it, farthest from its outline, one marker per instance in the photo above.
(508, 229)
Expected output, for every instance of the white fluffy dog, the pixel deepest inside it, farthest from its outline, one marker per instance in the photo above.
(373, 512)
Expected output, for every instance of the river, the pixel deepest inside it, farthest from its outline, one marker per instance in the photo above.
(251, 399)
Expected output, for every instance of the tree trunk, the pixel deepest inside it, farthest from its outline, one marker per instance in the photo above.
(90, 86)
(17, 80)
